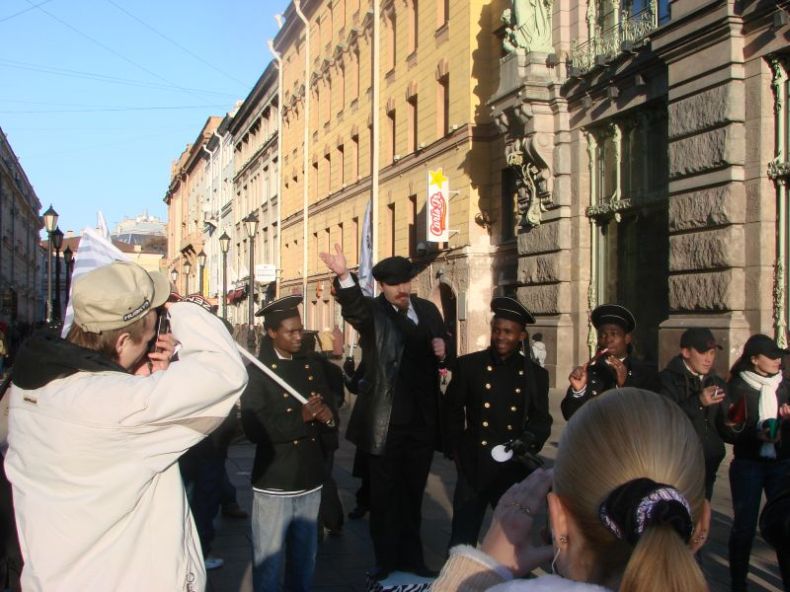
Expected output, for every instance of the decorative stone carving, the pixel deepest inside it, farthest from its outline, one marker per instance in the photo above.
(528, 26)
(533, 184)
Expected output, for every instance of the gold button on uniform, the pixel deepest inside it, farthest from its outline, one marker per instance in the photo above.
(521, 373)
(289, 410)
(510, 428)
(489, 368)
(484, 443)
(309, 378)
(285, 395)
(488, 386)
(487, 405)
(485, 424)
(307, 366)
(274, 365)
(513, 408)
(518, 390)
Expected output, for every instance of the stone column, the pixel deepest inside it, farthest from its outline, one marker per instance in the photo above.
(715, 271)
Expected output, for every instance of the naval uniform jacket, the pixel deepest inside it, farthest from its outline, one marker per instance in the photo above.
(288, 454)
(639, 374)
(498, 400)
(382, 342)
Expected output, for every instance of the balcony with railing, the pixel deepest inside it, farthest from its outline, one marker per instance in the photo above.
(627, 33)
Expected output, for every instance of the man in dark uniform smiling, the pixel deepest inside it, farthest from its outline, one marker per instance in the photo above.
(495, 396)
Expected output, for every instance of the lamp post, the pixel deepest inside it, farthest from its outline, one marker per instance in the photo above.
(57, 242)
(224, 245)
(187, 269)
(174, 279)
(68, 259)
(202, 262)
(251, 222)
(50, 223)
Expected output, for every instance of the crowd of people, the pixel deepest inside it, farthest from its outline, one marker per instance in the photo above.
(118, 434)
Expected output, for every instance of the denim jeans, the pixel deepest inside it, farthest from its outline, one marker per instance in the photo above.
(748, 479)
(284, 537)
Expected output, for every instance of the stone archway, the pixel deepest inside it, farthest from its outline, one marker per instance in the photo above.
(444, 297)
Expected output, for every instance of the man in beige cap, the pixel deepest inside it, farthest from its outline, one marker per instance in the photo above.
(93, 448)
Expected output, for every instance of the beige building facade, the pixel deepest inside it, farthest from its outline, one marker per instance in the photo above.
(186, 198)
(253, 133)
(420, 105)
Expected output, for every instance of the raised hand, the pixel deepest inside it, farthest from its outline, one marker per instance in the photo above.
(336, 262)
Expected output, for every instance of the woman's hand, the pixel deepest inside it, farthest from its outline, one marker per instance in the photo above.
(509, 539)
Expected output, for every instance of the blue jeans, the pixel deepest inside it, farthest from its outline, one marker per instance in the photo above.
(284, 531)
(748, 479)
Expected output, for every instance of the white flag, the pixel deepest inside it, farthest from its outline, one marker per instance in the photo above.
(438, 207)
(366, 254)
(101, 225)
(94, 251)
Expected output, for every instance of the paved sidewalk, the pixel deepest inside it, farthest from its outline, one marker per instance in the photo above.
(343, 560)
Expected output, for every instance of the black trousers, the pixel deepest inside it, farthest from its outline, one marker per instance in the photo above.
(397, 484)
(330, 512)
(469, 505)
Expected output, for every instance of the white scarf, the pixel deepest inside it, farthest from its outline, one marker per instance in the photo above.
(768, 407)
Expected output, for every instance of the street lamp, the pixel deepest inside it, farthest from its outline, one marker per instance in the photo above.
(224, 245)
(202, 261)
(57, 242)
(50, 223)
(251, 222)
(187, 269)
(174, 279)
(68, 259)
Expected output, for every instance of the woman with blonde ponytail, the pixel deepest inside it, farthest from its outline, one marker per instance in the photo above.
(627, 508)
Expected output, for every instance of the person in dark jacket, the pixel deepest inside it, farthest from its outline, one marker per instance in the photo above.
(690, 381)
(496, 396)
(613, 364)
(288, 470)
(330, 513)
(396, 419)
(761, 451)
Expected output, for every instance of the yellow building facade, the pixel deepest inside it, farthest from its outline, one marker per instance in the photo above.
(424, 103)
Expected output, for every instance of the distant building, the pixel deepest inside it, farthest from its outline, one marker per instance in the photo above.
(146, 231)
(20, 223)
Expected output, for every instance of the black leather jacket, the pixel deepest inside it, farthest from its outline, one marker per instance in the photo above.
(382, 346)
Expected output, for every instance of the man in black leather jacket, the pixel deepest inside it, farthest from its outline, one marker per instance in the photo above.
(396, 417)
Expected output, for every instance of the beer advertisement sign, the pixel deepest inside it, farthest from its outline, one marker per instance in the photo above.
(437, 207)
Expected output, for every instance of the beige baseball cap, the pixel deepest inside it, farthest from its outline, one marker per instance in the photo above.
(116, 295)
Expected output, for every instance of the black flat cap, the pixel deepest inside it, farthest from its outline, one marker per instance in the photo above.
(393, 270)
(613, 314)
(281, 309)
(699, 338)
(511, 309)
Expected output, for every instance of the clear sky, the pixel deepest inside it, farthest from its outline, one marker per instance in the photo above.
(99, 97)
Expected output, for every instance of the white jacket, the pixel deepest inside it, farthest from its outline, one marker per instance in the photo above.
(99, 501)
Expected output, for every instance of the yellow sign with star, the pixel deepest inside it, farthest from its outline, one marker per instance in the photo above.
(437, 207)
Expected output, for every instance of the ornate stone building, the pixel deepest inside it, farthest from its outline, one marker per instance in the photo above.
(20, 297)
(644, 162)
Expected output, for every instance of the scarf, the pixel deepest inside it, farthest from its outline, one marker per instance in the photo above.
(768, 407)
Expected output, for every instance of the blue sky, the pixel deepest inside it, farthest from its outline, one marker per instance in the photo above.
(99, 97)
